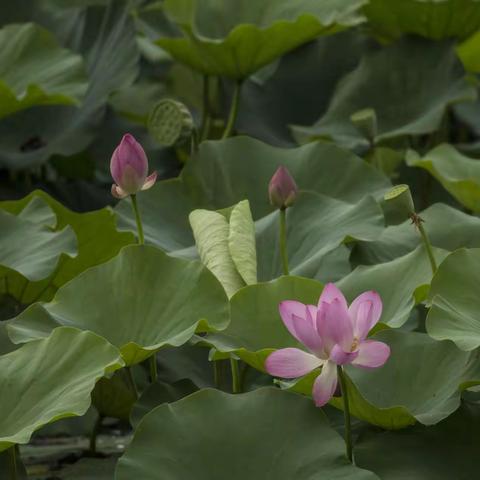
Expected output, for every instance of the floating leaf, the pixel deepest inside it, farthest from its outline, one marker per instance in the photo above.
(250, 35)
(185, 297)
(256, 425)
(458, 174)
(64, 390)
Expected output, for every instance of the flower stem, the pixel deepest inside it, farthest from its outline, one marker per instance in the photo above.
(131, 380)
(236, 387)
(153, 368)
(206, 119)
(12, 454)
(141, 239)
(428, 247)
(346, 412)
(216, 373)
(283, 240)
(232, 116)
(94, 434)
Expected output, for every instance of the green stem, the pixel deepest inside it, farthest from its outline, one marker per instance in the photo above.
(131, 380)
(216, 373)
(141, 239)
(346, 412)
(428, 246)
(232, 116)
(94, 434)
(283, 240)
(153, 368)
(236, 387)
(12, 454)
(206, 119)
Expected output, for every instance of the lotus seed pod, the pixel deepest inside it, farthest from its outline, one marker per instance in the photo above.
(170, 122)
(399, 204)
(366, 122)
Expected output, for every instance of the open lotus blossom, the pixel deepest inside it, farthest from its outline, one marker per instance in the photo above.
(129, 168)
(334, 333)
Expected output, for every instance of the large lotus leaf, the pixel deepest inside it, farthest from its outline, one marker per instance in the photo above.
(258, 424)
(395, 241)
(421, 381)
(105, 36)
(38, 257)
(410, 276)
(265, 111)
(186, 298)
(97, 240)
(446, 451)
(235, 38)
(35, 70)
(468, 53)
(49, 379)
(255, 325)
(455, 301)
(221, 176)
(434, 19)
(409, 97)
(459, 174)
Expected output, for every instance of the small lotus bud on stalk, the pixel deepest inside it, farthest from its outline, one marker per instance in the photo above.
(282, 189)
(400, 204)
(283, 192)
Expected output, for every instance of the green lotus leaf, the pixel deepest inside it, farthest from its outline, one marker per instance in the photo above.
(88, 468)
(411, 274)
(409, 97)
(97, 240)
(458, 174)
(250, 35)
(421, 381)
(221, 176)
(37, 258)
(68, 363)
(35, 70)
(468, 53)
(187, 298)
(436, 19)
(430, 453)
(455, 302)
(396, 241)
(105, 37)
(256, 424)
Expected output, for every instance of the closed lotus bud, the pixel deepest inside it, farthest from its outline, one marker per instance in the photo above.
(282, 189)
(129, 168)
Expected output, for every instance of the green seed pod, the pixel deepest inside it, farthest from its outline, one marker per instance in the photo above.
(398, 205)
(170, 122)
(366, 122)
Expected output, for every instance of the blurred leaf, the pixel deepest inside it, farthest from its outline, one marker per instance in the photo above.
(256, 425)
(237, 37)
(188, 299)
(458, 174)
(35, 70)
(65, 386)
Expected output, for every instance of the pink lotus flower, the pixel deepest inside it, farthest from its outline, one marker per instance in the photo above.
(334, 333)
(129, 168)
(282, 188)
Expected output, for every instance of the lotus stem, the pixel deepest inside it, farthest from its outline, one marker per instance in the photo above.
(94, 434)
(236, 387)
(12, 454)
(141, 239)
(418, 222)
(283, 240)
(232, 116)
(216, 373)
(206, 118)
(153, 368)
(131, 380)
(346, 413)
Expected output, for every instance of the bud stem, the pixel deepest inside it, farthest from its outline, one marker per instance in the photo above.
(346, 413)
(236, 387)
(283, 240)
(12, 454)
(141, 239)
(417, 221)
(232, 116)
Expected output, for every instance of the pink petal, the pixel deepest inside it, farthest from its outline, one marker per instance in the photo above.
(287, 309)
(150, 181)
(334, 325)
(365, 312)
(325, 384)
(340, 357)
(331, 292)
(372, 354)
(291, 363)
(117, 192)
(306, 332)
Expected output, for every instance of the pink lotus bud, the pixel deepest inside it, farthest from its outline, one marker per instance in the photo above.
(129, 168)
(282, 188)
